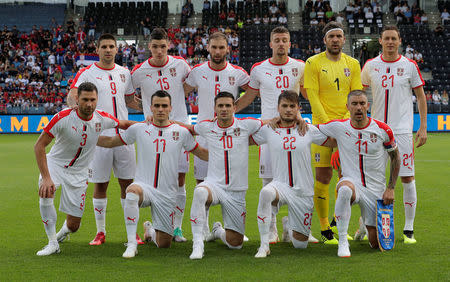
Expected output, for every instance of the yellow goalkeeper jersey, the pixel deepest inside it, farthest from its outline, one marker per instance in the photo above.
(328, 84)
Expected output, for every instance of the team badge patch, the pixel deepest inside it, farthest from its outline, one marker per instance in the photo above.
(122, 77)
(347, 72)
(385, 226)
(98, 127)
(237, 132)
(400, 71)
(175, 135)
(231, 80)
(373, 137)
(173, 72)
(317, 157)
(295, 72)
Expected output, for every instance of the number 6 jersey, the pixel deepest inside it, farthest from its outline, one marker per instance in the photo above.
(362, 150)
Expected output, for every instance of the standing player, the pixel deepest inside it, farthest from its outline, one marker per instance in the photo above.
(210, 78)
(391, 78)
(227, 180)
(76, 132)
(329, 77)
(268, 79)
(167, 73)
(159, 147)
(115, 94)
(293, 183)
(362, 143)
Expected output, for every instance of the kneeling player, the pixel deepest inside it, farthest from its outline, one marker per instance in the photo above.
(159, 146)
(362, 142)
(76, 132)
(293, 183)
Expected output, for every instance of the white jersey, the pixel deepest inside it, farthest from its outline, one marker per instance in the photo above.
(391, 84)
(228, 152)
(159, 149)
(112, 85)
(169, 77)
(76, 138)
(362, 151)
(271, 79)
(291, 155)
(209, 82)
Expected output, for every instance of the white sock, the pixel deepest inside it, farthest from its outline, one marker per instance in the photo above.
(131, 215)
(152, 232)
(198, 213)
(264, 213)
(181, 204)
(410, 202)
(298, 244)
(343, 210)
(206, 223)
(64, 229)
(273, 220)
(100, 213)
(122, 203)
(48, 215)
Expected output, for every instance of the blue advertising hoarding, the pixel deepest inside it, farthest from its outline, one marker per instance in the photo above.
(35, 123)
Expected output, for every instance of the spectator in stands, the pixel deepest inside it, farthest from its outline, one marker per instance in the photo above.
(408, 16)
(273, 9)
(81, 35)
(416, 19)
(231, 19)
(206, 5)
(248, 20)
(439, 30)
(256, 19)
(240, 22)
(369, 14)
(436, 99)
(70, 24)
(313, 22)
(409, 54)
(424, 18)
(429, 97)
(317, 49)
(418, 57)
(282, 19)
(296, 52)
(349, 9)
(329, 15)
(445, 16)
(92, 25)
(266, 19)
(320, 14)
(377, 10)
(340, 18)
(146, 25)
(223, 16)
(444, 98)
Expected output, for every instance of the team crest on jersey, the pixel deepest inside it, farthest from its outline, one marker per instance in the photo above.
(122, 77)
(317, 157)
(373, 137)
(400, 71)
(295, 72)
(175, 135)
(231, 80)
(347, 72)
(98, 127)
(237, 132)
(386, 223)
(173, 72)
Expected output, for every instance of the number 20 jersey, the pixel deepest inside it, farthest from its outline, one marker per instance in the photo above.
(112, 85)
(362, 151)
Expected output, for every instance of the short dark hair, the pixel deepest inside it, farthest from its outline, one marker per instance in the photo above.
(356, 93)
(218, 35)
(161, 94)
(279, 29)
(390, 27)
(87, 86)
(331, 25)
(159, 34)
(223, 94)
(288, 95)
(106, 36)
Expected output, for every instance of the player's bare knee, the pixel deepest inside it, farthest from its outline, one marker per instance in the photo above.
(268, 194)
(324, 174)
(73, 223)
(234, 239)
(407, 179)
(135, 189)
(372, 235)
(299, 240)
(181, 179)
(202, 194)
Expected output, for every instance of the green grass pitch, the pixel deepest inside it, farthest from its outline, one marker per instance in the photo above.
(22, 234)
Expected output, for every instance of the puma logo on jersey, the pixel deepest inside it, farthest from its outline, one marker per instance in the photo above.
(205, 77)
(325, 71)
(99, 78)
(74, 128)
(149, 75)
(347, 133)
(268, 73)
(148, 132)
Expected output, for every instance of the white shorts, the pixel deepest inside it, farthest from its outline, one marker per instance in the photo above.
(200, 166)
(121, 159)
(406, 149)
(162, 207)
(233, 206)
(265, 162)
(73, 189)
(367, 201)
(300, 208)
